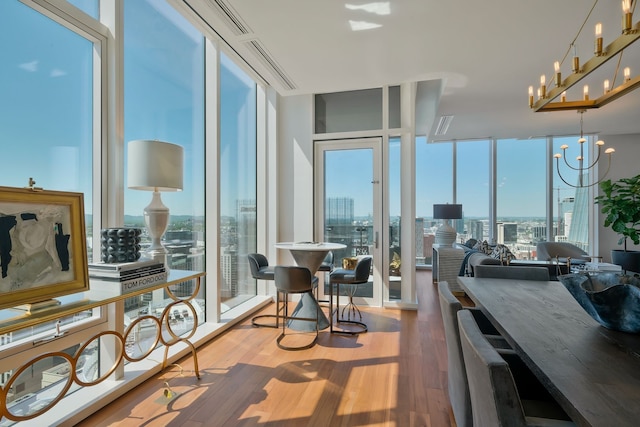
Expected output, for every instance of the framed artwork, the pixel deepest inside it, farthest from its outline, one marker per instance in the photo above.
(43, 249)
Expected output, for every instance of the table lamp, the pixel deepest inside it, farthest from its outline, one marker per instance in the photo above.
(155, 166)
(446, 234)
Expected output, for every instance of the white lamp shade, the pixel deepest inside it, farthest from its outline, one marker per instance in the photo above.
(155, 165)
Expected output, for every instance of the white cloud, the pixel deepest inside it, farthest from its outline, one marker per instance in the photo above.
(57, 73)
(32, 66)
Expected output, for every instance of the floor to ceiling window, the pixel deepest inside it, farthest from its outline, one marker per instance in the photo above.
(521, 192)
(472, 188)
(46, 133)
(164, 78)
(571, 201)
(51, 127)
(434, 185)
(238, 230)
(521, 195)
(395, 199)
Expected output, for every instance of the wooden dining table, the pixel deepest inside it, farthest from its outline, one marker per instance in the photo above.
(593, 372)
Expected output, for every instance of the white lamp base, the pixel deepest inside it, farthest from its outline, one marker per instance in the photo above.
(156, 218)
(445, 234)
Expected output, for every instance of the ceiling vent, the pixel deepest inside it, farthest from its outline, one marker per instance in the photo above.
(263, 56)
(443, 125)
(230, 17)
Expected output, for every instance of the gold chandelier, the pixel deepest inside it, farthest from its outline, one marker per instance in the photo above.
(630, 33)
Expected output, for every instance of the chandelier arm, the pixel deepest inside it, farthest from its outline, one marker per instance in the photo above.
(596, 160)
(607, 171)
(560, 175)
(615, 73)
(566, 162)
(583, 186)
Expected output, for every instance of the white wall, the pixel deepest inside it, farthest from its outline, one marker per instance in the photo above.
(295, 171)
(625, 163)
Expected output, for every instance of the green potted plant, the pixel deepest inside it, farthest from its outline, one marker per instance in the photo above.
(620, 203)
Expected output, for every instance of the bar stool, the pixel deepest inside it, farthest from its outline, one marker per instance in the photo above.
(325, 267)
(294, 280)
(260, 269)
(351, 279)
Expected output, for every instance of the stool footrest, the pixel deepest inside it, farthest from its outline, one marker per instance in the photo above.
(362, 326)
(255, 323)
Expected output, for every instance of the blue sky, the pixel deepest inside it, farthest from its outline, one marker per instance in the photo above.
(46, 131)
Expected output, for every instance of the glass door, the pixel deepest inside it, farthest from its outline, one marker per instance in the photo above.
(348, 200)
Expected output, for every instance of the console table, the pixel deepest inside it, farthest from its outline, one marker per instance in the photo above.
(81, 367)
(446, 263)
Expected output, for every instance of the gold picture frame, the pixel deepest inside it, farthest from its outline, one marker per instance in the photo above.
(43, 249)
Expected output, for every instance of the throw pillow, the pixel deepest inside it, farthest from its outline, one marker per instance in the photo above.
(503, 253)
(483, 247)
(471, 243)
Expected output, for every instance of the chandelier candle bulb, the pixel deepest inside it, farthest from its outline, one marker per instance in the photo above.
(556, 67)
(627, 16)
(563, 96)
(627, 74)
(530, 96)
(585, 92)
(621, 84)
(543, 86)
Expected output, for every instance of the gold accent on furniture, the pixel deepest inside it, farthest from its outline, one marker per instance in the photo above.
(97, 298)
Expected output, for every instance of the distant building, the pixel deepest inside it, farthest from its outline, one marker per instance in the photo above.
(507, 232)
(339, 211)
(539, 233)
(579, 230)
(428, 240)
(246, 244)
(229, 270)
(419, 240)
(339, 225)
(476, 230)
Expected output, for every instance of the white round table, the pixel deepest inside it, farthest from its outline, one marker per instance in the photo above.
(310, 255)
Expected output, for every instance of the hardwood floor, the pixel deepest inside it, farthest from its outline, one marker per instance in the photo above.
(393, 375)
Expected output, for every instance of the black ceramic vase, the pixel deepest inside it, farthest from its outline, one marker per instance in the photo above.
(120, 244)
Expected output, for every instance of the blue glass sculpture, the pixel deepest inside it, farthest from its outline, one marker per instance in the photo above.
(612, 299)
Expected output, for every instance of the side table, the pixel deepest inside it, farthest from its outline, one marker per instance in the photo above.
(446, 263)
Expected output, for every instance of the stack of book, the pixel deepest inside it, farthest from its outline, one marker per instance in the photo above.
(128, 276)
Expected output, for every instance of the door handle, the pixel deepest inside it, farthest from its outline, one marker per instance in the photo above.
(375, 241)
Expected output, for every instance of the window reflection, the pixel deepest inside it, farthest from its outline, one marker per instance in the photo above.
(238, 230)
(164, 100)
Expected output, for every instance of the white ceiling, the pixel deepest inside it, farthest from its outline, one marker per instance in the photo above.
(487, 53)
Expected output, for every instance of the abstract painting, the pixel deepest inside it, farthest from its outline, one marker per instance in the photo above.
(42, 245)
